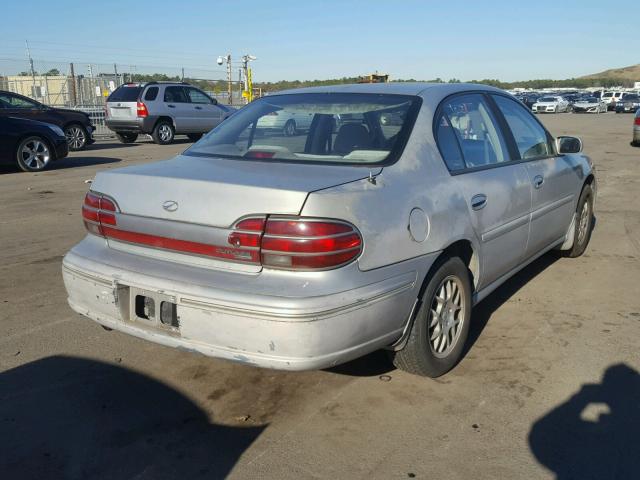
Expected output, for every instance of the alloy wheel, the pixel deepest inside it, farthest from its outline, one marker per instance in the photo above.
(35, 154)
(164, 132)
(446, 316)
(76, 137)
(583, 223)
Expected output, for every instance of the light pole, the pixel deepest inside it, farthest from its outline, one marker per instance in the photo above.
(221, 60)
(248, 84)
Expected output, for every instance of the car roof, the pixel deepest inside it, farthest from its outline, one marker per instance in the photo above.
(397, 88)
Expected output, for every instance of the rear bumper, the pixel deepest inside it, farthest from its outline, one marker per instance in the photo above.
(135, 125)
(284, 323)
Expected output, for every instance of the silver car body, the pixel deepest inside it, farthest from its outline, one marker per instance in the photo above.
(408, 213)
(189, 109)
(636, 129)
(590, 107)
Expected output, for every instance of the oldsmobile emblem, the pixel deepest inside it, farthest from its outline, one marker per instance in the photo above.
(170, 205)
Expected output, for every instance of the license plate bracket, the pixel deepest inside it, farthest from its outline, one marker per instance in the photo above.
(153, 309)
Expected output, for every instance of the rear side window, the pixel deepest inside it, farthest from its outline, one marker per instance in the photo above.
(529, 135)
(151, 93)
(475, 129)
(175, 95)
(125, 93)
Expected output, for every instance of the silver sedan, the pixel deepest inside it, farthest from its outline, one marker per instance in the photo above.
(306, 250)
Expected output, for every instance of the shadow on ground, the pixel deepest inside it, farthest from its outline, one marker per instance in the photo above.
(74, 418)
(82, 161)
(594, 434)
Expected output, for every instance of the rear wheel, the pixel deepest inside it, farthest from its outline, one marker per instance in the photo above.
(440, 329)
(126, 137)
(290, 128)
(583, 223)
(163, 133)
(76, 136)
(33, 154)
(194, 137)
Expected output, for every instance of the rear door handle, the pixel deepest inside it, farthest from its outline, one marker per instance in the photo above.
(198, 108)
(538, 180)
(478, 201)
(171, 106)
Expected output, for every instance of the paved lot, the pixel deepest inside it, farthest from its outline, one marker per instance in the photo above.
(549, 386)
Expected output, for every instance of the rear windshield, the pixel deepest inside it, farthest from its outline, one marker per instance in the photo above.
(342, 128)
(125, 93)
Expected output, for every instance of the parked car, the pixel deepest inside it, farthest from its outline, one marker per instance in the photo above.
(163, 110)
(76, 125)
(612, 98)
(303, 253)
(29, 144)
(528, 99)
(590, 105)
(551, 105)
(289, 123)
(636, 130)
(629, 104)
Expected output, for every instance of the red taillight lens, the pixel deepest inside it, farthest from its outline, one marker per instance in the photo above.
(98, 211)
(308, 244)
(636, 121)
(142, 110)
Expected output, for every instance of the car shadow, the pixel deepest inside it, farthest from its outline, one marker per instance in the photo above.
(81, 161)
(74, 418)
(371, 365)
(483, 311)
(594, 434)
(107, 146)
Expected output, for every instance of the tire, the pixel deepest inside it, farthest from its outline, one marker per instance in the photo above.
(583, 224)
(34, 154)
(126, 137)
(421, 356)
(77, 137)
(194, 137)
(289, 129)
(163, 133)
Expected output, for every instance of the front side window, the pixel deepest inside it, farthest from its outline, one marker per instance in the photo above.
(469, 119)
(342, 128)
(196, 96)
(175, 95)
(529, 135)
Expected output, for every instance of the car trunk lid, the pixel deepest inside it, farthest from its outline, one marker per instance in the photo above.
(200, 199)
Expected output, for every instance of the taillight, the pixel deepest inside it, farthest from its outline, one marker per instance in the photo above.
(636, 121)
(308, 244)
(97, 212)
(141, 109)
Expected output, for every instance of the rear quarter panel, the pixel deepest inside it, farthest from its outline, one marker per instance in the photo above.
(381, 210)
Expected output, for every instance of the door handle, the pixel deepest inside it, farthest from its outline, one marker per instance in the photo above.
(171, 106)
(479, 201)
(538, 180)
(198, 108)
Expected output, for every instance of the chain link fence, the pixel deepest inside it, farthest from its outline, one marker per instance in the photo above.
(85, 87)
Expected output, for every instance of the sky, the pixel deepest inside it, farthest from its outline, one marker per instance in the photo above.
(304, 40)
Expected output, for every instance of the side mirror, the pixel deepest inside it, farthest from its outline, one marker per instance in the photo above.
(214, 101)
(568, 145)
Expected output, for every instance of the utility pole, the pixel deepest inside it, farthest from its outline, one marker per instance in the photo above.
(74, 99)
(227, 59)
(248, 93)
(33, 72)
(182, 78)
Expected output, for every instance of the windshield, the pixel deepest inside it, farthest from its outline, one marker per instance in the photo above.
(547, 99)
(343, 128)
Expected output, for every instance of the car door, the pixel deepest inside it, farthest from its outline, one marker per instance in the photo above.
(206, 114)
(179, 108)
(553, 178)
(497, 190)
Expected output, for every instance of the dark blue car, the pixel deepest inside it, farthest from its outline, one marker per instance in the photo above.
(29, 144)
